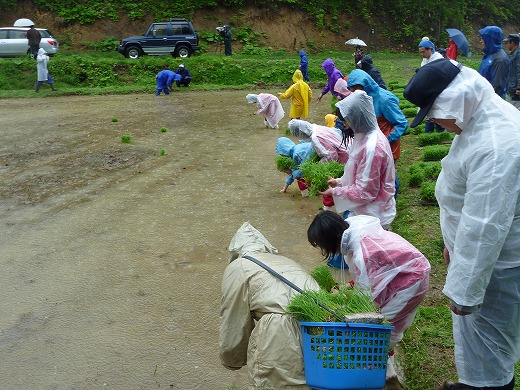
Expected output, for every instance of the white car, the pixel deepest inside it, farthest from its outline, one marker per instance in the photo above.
(13, 42)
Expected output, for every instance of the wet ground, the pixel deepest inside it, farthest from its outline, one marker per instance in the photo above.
(111, 254)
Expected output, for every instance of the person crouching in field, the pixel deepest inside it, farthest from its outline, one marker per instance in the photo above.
(164, 80)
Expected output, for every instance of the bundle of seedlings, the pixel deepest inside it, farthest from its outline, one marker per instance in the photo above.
(435, 138)
(435, 152)
(424, 171)
(322, 275)
(345, 301)
(316, 174)
(428, 193)
(283, 163)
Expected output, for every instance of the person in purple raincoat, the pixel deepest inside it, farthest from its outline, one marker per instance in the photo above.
(333, 74)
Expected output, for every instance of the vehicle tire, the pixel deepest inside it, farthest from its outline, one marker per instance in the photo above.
(133, 52)
(182, 52)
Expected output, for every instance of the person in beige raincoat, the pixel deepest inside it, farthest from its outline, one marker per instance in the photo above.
(254, 328)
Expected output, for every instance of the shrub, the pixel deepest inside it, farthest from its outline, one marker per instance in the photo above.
(428, 192)
(435, 152)
(434, 138)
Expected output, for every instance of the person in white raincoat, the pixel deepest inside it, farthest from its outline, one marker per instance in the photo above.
(367, 186)
(43, 74)
(478, 191)
(396, 273)
(269, 106)
(254, 327)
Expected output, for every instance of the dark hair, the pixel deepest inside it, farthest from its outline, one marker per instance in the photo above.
(346, 132)
(326, 231)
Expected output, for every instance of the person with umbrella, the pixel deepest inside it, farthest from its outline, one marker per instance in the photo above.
(457, 42)
(358, 54)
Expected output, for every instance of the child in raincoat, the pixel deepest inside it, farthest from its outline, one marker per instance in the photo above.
(254, 327)
(299, 153)
(164, 80)
(269, 106)
(43, 74)
(396, 273)
(301, 95)
(304, 65)
(367, 186)
(333, 75)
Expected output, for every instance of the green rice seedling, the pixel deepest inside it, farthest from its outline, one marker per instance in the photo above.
(126, 138)
(114, 119)
(162, 152)
(284, 162)
(406, 104)
(434, 138)
(164, 130)
(435, 152)
(323, 276)
(410, 112)
(423, 171)
(287, 131)
(418, 129)
(428, 192)
(345, 301)
(316, 174)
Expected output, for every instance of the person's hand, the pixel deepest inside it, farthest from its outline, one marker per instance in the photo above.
(332, 182)
(284, 188)
(327, 192)
(446, 255)
(517, 92)
(319, 97)
(457, 311)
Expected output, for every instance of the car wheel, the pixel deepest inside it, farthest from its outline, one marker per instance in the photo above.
(182, 52)
(133, 52)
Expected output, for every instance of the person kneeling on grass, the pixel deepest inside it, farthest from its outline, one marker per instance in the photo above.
(255, 329)
(394, 270)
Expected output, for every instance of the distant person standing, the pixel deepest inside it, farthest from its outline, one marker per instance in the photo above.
(304, 65)
(301, 95)
(43, 74)
(513, 84)
(226, 34)
(495, 64)
(185, 76)
(34, 38)
(451, 51)
(366, 63)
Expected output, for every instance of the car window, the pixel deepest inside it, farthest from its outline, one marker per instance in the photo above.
(17, 34)
(160, 29)
(176, 30)
(3, 34)
(186, 30)
(45, 33)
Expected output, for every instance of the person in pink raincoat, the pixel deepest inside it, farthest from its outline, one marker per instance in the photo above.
(367, 186)
(396, 273)
(269, 106)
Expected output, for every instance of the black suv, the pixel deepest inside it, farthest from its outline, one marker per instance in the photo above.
(176, 37)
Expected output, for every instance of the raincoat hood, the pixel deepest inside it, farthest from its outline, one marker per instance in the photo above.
(300, 129)
(341, 87)
(297, 76)
(492, 37)
(358, 111)
(248, 241)
(366, 60)
(360, 77)
(285, 146)
(302, 53)
(328, 66)
(252, 98)
(41, 51)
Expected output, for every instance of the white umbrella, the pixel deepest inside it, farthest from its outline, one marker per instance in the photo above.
(355, 42)
(23, 23)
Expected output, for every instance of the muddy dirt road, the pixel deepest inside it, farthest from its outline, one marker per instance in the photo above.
(111, 255)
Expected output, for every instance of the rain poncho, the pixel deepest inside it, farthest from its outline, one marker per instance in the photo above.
(298, 152)
(304, 65)
(326, 141)
(165, 79)
(254, 328)
(390, 118)
(301, 95)
(269, 106)
(367, 186)
(341, 88)
(333, 74)
(495, 64)
(478, 192)
(367, 65)
(393, 269)
(42, 59)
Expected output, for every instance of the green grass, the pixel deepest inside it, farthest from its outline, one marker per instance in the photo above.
(126, 138)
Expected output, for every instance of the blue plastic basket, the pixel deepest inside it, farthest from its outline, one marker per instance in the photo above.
(341, 356)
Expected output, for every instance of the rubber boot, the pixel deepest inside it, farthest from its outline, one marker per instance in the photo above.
(37, 87)
(52, 87)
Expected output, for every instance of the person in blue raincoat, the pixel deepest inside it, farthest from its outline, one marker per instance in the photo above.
(390, 118)
(164, 80)
(495, 64)
(299, 153)
(304, 65)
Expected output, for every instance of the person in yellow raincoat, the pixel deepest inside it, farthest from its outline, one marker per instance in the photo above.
(301, 95)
